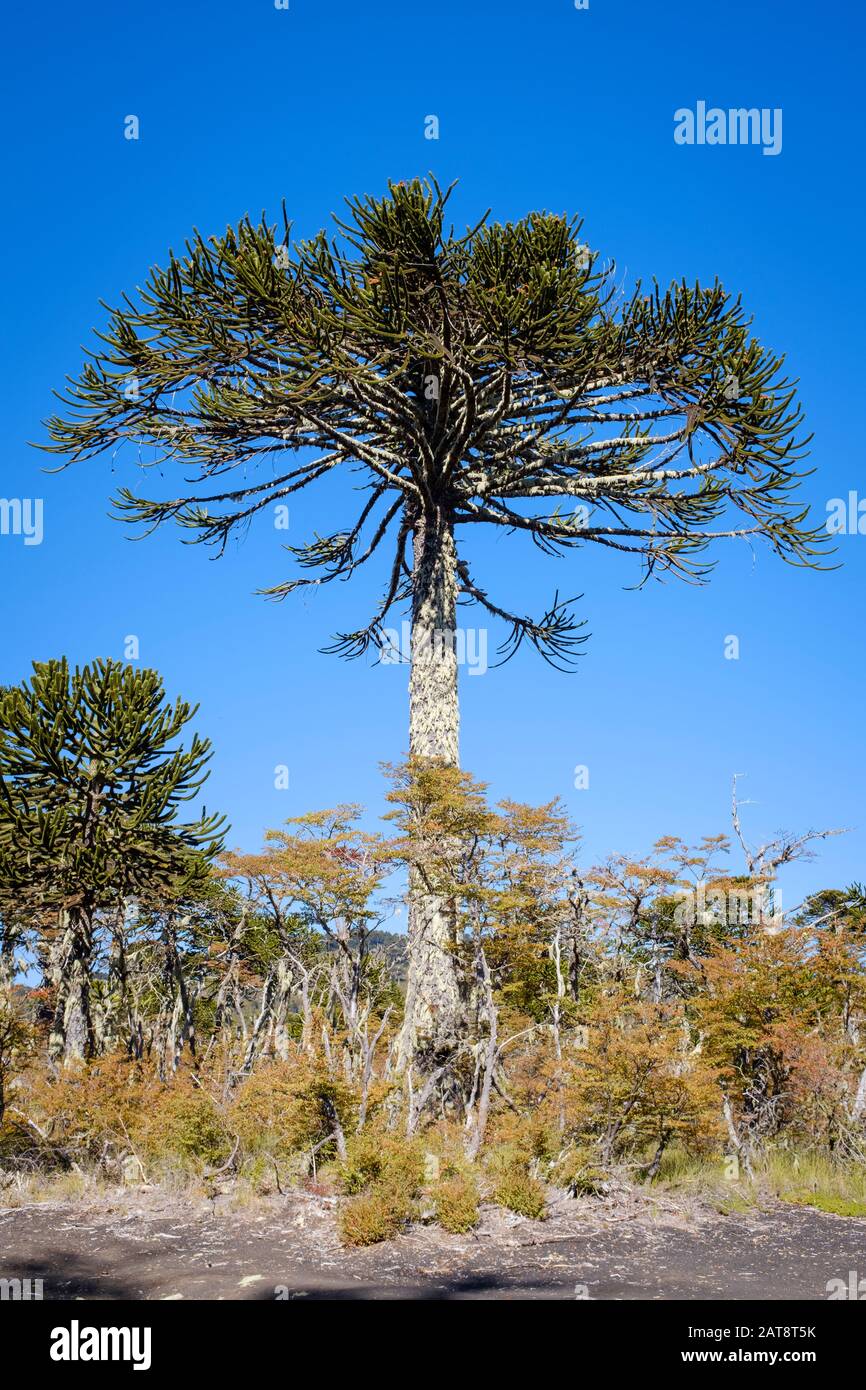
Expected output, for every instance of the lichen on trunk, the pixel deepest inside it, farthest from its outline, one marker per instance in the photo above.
(434, 1005)
(71, 1037)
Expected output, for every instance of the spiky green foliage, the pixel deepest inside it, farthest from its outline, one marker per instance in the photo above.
(496, 378)
(91, 786)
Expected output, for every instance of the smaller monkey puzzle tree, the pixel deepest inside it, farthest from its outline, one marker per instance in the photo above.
(90, 789)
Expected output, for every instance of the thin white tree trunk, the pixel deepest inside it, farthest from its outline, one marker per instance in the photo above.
(858, 1110)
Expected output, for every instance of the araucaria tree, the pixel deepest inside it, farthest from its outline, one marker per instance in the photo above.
(91, 784)
(495, 378)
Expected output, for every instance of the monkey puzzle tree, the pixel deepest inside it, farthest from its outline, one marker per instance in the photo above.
(90, 789)
(494, 378)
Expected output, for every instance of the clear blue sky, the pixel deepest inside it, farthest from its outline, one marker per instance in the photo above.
(540, 105)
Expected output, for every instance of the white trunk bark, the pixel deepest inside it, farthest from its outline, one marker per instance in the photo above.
(433, 995)
(71, 1030)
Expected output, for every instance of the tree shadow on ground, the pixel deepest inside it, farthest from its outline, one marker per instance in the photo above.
(66, 1278)
(468, 1286)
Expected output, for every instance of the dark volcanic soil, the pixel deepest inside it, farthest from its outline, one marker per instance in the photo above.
(140, 1245)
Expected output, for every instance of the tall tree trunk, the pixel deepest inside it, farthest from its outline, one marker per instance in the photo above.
(10, 940)
(433, 995)
(71, 1035)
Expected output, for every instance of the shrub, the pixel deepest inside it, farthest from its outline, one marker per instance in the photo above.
(579, 1171)
(520, 1192)
(634, 1090)
(372, 1216)
(187, 1123)
(456, 1201)
(525, 1137)
(95, 1108)
(382, 1174)
(381, 1159)
(17, 1042)
(287, 1108)
(105, 1109)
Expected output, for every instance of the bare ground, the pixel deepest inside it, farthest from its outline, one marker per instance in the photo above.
(147, 1245)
